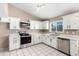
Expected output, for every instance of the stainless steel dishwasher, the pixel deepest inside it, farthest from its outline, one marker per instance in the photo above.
(63, 45)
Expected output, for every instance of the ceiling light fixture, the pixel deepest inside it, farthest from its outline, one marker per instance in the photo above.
(39, 6)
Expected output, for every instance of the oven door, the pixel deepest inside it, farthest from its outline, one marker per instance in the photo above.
(25, 40)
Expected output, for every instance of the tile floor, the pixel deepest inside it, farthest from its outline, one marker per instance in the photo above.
(36, 50)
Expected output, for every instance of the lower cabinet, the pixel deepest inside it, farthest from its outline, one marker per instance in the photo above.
(48, 41)
(44, 39)
(32, 39)
(36, 39)
(40, 38)
(14, 41)
(74, 47)
(51, 41)
(54, 42)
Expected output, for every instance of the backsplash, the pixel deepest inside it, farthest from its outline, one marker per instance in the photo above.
(71, 32)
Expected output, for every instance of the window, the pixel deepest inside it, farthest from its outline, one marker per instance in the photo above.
(56, 25)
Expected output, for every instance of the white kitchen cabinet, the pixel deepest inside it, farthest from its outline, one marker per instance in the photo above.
(74, 47)
(39, 24)
(14, 23)
(14, 41)
(40, 38)
(34, 24)
(48, 40)
(71, 21)
(45, 39)
(44, 25)
(32, 39)
(53, 41)
(5, 19)
(36, 39)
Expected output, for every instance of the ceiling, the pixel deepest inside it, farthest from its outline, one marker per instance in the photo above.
(49, 10)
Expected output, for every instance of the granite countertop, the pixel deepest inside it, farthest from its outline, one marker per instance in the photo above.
(71, 37)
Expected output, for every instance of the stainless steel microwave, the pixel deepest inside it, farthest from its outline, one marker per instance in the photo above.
(24, 25)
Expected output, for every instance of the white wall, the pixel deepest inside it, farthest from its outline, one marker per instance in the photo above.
(3, 10)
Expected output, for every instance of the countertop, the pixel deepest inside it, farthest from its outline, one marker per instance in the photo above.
(71, 37)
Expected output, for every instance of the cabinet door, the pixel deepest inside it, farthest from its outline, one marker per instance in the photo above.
(54, 42)
(33, 39)
(74, 22)
(48, 40)
(66, 22)
(15, 23)
(71, 21)
(17, 43)
(5, 19)
(34, 24)
(37, 38)
(44, 25)
(14, 42)
(47, 25)
(74, 48)
(45, 39)
(11, 44)
(40, 25)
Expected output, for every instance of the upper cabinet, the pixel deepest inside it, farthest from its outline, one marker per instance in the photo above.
(71, 21)
(44, 25)
(14, 23)
(5, 19)
(39, 24)
(34, 24)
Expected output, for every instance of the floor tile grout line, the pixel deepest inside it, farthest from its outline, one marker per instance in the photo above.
(37, 50)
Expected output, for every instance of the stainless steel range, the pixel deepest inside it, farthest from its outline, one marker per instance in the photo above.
(25, 39)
